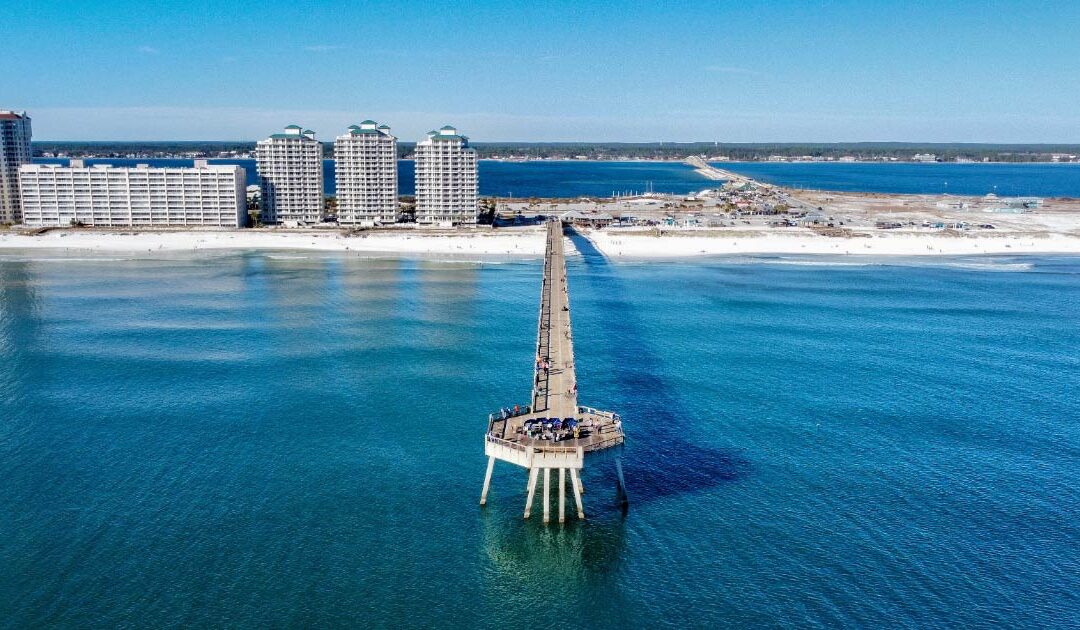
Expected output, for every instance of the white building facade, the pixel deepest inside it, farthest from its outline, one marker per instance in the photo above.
(365, 162)
(14, 152)
(447, 184)
(113, 196)
(290, 167)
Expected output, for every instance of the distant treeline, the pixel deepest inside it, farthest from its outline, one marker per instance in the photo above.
(607, 150)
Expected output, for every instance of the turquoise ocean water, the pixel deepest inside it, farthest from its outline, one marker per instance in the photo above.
(290, 439)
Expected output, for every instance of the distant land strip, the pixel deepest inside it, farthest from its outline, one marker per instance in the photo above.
(712, 151)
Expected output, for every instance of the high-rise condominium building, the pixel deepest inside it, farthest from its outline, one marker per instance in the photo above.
(365, 162)
(291, 168)
(104, 195)
(14, 152)
(446, 179)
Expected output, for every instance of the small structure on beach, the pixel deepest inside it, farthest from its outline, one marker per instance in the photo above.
(578, 218)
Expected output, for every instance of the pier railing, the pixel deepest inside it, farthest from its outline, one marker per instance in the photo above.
(617, 438)
(598, 412)
(535, 455)
(517, 446)
(503, 414)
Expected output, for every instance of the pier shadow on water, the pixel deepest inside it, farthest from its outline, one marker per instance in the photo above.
(659, 460)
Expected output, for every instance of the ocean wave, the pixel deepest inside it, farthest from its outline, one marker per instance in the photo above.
(1004, 265)
(818, 263)
(985, 266)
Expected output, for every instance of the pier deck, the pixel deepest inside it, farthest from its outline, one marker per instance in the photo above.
(554, 393)
(553, 431)
(555, 380)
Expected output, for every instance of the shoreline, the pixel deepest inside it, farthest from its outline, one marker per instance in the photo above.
(528, 242)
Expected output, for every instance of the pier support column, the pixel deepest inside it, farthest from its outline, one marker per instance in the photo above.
(562, 495)
(547, 488)
(532, 490)
(575, 481)
(487, 481)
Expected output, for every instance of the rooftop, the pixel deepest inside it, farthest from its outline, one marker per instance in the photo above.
(588, 216)
(291, 136)
(447, 132)
(368, 128)
(80, 164)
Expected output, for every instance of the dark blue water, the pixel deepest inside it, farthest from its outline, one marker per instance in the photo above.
(581, 178)
(511, 179)
(602, 179)
(254, 440)
(1039, 180)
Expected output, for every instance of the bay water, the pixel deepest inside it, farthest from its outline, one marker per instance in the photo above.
(555, 178)
(576, 178)
(1043, 179)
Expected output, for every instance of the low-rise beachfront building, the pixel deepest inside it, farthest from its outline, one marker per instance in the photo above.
(589, 219)
(290, 166)
(447, 184)
(14, 152)
(112, 196)
(365, 162)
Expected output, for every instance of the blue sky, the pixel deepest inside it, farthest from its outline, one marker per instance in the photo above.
(993, 71)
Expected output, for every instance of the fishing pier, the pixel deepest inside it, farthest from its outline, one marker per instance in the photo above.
(553, 432)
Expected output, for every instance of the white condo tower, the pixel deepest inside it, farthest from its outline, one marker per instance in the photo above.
(365, 160)
(446, 179)
(14, 152)
(115, 196)
(290, 165)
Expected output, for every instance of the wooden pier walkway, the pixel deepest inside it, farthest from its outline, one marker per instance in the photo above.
(555, 381)
(553, 431)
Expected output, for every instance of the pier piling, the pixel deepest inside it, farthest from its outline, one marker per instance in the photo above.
(547, 492)
(575, 481)
(532, 490)
(562, 495)
(487, 481)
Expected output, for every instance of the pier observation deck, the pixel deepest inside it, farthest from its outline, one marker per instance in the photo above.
(553, 431)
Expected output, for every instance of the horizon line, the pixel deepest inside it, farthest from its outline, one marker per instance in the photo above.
(645, 142)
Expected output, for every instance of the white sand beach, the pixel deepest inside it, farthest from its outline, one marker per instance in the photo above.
(683, 243)
(528, 242)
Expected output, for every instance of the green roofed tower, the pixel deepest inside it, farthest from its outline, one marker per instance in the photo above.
(290, 166)
(447, 181)
(367, 178)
